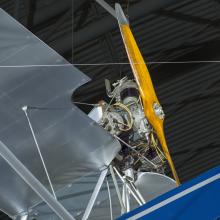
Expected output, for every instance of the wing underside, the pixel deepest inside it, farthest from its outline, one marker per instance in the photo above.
(72, 145)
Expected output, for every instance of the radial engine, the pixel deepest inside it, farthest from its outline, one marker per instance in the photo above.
(124, 118)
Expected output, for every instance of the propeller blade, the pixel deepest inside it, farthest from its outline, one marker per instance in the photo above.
(152, 108)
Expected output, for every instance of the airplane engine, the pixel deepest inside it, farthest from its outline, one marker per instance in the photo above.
(124, 118)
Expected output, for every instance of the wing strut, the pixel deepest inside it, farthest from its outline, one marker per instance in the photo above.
(34, 183)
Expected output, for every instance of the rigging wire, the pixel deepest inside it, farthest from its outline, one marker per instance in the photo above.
(61, 108)
(25, 108)
(129, 146)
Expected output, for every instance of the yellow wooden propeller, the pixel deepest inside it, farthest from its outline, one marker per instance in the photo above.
(152, 108)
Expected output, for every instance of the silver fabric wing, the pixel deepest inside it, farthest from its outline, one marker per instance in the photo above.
(150, 185)
(72, 145)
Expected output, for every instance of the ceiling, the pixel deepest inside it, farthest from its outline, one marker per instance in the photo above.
(166, 31)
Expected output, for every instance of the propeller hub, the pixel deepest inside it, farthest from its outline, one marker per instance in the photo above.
(158, 110)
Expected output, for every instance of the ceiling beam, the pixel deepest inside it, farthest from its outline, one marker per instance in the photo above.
(107, 24)
(60, 7)
(189, 18)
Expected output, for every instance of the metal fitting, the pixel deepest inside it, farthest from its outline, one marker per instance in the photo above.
(158, 110)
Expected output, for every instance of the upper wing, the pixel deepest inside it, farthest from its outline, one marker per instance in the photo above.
(72, 145)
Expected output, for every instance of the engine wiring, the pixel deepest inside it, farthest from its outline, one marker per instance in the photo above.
(157, 149)
(131, 121)
(123, 117)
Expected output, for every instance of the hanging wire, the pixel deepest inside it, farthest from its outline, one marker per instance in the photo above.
(109, 64)
(72, 23)
(127, 7)
(25, 108)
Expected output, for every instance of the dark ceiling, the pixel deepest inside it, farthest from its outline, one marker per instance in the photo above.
(166, 30)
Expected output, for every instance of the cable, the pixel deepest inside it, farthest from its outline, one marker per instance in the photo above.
(110, 64)
(61, 108)
(157, 149)
(143, 157)
(83, 103)
(130, 124)
(25, 108)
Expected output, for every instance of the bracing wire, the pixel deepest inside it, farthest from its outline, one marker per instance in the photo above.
(129, 146)
(61, 108)
(157, 149)
(39, 151)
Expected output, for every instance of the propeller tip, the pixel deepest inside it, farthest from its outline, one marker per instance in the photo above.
(122, 19)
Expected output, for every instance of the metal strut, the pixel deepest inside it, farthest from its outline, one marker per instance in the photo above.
(110, 200)
(133, 192)
(117, 189)
(95, 194)
(34, 183)
(22, 217)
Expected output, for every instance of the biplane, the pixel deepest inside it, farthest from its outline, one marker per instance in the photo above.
(58, 162)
